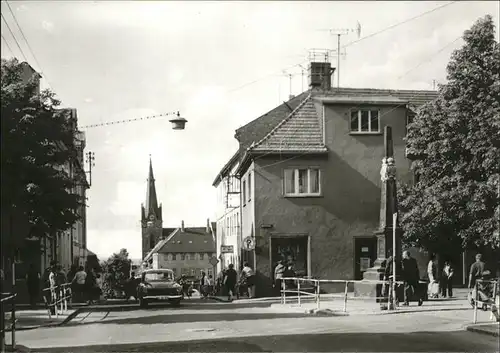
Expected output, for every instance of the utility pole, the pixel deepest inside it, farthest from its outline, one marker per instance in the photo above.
(91, 161)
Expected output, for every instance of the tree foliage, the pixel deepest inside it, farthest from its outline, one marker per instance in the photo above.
(37, 142)
(455, 142)
(116, 272)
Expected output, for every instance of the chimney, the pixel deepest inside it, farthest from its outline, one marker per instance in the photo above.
(182, 226)
(208, 225)
(320, 75)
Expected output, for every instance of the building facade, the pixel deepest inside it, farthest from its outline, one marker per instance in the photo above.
(186, 251)
(310, 178)
(228, 214)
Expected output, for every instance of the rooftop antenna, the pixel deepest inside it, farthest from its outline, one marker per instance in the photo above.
(342, 32)
(433, 85)
(302, 72)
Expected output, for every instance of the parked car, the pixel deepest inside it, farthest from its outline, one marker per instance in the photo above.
(158, 285)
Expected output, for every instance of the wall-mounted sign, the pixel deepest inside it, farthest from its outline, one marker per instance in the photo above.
(224, 249)
(364, 264)
(213, 261)
(248, 243)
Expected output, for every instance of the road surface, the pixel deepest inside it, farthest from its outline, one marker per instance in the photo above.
(204, 327)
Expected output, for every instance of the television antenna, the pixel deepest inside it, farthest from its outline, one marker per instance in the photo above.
(342, 32)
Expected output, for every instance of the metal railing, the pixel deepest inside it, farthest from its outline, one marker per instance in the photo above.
(300, 290)
(492, 301)
(59, 297)
(6, 298)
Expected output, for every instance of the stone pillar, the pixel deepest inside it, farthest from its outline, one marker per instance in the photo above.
(384, 233)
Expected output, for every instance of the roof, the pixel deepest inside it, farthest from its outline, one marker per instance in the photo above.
(301, 131)
(226, 169)
(192, 240)
(257, 129)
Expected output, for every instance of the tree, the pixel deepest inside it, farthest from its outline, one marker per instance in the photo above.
(455, 144)
(116, 272)
(37, 142)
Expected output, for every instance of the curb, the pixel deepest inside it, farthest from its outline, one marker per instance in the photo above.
(52, 324)
(477, 329)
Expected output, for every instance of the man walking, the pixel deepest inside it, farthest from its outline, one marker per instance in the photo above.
(230, 281)
(411, 277)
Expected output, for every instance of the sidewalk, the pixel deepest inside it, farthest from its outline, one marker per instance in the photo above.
(31, 319)
(356, 306)
(492, 329)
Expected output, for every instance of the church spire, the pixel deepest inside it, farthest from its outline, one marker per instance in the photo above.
(151, 205)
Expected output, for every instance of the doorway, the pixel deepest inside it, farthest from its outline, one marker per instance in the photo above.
(365, 254)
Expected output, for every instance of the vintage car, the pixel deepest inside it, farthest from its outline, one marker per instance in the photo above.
(158, 285)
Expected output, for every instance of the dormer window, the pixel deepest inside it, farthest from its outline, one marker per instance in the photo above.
(365, 121)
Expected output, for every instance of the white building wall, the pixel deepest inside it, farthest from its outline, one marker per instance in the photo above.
(228, 221)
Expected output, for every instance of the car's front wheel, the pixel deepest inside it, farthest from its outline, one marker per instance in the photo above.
(143, 303)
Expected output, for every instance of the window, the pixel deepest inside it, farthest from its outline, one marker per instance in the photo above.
(192, 256)
(365, 121)
(244, 191)
(302, 182)
(174, 257)
(183, 256)
(202, 256)
(210, 272)
(249, 186)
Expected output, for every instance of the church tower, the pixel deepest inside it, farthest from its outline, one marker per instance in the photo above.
(151, 217)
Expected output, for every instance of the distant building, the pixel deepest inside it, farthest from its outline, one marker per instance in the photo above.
(228, 215)
(184, 250)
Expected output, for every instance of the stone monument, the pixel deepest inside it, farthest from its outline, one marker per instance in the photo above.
(384, 233)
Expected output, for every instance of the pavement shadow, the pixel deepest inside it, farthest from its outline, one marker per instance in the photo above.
(194, 317)
(185, 305)
(458, 341)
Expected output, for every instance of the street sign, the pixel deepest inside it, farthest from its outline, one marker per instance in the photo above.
(248, 243)
(213, 261)
(226, 249)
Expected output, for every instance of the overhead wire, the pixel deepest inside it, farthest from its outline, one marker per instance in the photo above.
(400, 23)
(24, 37)
(13, 36)
(382, 115)
(8, 46)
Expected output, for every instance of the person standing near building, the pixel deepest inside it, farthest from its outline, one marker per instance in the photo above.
(230, 282)
(249, 276)
(278, 274)
(33, 284)
(476, 271)
(411, 277)
(447, 280)
(79, 281)
(433, 288)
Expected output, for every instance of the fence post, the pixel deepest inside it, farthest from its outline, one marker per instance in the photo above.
(317, 294)
(54, 301)
(65, 298)
(13, 307)
(345, 295)
(298, 291)
(475, 303)
(283, 291)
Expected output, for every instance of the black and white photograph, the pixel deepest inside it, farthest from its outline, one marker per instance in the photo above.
(250, 176)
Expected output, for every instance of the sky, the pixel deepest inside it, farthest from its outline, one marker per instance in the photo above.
(221, 65)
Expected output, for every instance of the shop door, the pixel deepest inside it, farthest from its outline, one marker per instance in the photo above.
(365, 254)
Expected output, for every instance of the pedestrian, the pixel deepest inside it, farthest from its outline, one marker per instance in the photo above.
(476, 271)
(211, 286)
(52, 286)
(204, 285)
(411, 277)
(90, 284)
(79, 282)
(220, 282)
(249, 276)
(230, 281)
(433, 287)
(289, 272)
(278, 274)
(447, 280)
(33, 284)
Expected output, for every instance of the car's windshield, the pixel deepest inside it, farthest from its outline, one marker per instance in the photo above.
(159, 276)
